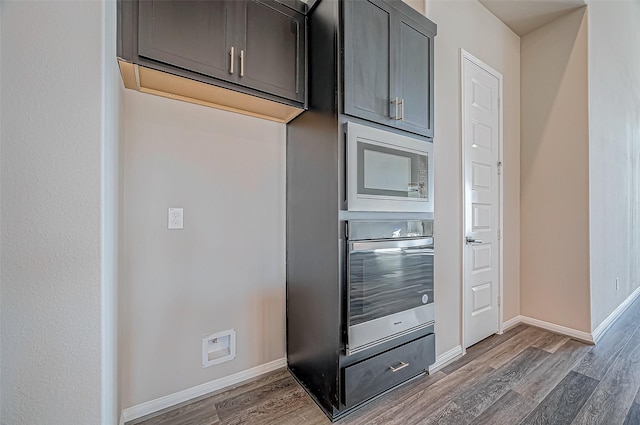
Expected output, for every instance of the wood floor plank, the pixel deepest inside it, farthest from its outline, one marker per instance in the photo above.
(251, 385)
(272, 408)
(598, 360)
(504, 353)
(511, 408)
(308, 414)
(482, 347)
(479, 397)
(539, 383)
(633, 415)
(564, 402)
(233, 405)
(550, 342)
(617, 390)
(202, 412)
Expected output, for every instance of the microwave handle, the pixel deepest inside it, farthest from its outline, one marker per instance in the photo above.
(386, 244)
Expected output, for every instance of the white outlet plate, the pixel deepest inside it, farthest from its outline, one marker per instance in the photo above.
(175, 218)
(218, 348)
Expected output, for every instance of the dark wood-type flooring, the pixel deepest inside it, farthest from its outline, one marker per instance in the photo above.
(525, 376)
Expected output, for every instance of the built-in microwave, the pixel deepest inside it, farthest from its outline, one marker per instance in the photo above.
(388, 171)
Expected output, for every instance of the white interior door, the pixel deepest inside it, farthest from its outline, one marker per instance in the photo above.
(481, 154)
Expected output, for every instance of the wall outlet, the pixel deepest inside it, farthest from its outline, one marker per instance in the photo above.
(175, 218)
(617, 283)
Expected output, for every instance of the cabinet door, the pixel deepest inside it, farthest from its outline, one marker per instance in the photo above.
(271, 54)
(415, 76)
(369, 67)
(193, 35)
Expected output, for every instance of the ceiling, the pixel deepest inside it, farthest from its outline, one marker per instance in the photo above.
(524, 16)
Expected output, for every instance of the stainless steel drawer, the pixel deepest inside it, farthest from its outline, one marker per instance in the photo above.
(377, 374)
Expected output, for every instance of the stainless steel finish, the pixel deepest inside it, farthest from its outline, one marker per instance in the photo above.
(377, 331)
(242, 63)
(357, 201)
(402, 366)
(471, 241)
(402, 110)
(395, 116)
(232, 55)
(391, 244)
(396, 228)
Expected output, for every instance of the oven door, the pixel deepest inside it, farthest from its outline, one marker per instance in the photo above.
(390, 287)
(388, 171)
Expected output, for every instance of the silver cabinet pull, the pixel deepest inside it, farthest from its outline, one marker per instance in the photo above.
(395, 102)
(402, 366)
(232, 58)
(402, 110)
(471, 241)
(242, 63)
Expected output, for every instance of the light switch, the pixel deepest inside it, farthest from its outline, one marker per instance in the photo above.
(175, 218)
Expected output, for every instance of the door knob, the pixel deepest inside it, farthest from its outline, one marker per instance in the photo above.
(471, 241)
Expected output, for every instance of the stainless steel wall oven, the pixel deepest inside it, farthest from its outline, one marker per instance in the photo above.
(389, 280)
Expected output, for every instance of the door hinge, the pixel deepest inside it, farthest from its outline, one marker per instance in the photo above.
(498, 103)
(499, 234)
(499, 167)
(499, 300)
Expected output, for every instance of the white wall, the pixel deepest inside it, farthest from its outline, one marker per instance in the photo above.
(614, 166)
(469, 25)
(50, 174)
(555, 173)
(226, 269)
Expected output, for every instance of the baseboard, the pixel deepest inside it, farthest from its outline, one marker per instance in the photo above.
(161, 403)
(606, 323)
(511, 323)
(573, 333)
(445, 358)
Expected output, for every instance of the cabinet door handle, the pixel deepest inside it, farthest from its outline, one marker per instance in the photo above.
(232, 58)
(395, 102)
(402, 366)
(242, 63)
(402, 110)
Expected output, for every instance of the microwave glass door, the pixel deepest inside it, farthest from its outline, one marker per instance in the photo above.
(387, 280)
(386, 171)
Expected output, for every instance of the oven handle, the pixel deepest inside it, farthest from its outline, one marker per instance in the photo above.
(385, 244)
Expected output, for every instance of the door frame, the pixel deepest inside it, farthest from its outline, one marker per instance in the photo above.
(468, 56)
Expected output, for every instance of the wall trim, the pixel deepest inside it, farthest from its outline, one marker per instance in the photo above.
(615, 314)
(445, 358)
(511, 323)
(559, 329)
(153, 406)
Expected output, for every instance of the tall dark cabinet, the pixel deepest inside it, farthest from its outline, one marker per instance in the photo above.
(362, 55)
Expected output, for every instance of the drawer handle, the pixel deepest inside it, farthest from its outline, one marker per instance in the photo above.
(402, 366)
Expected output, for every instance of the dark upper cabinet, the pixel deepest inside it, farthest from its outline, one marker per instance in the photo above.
(193, 35)
(388, 64)
(415, 76)
(271, 40)
(369, 68)
(257, 44)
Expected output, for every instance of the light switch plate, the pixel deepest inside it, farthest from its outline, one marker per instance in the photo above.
(175, 218)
